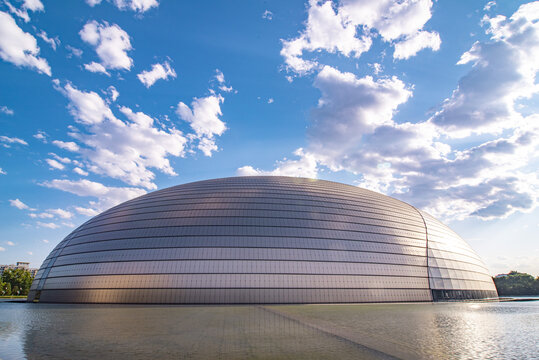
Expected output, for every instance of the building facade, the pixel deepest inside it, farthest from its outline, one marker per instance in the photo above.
(20, 265)
(262, 240)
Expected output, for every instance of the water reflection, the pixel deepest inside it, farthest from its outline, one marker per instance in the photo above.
(406, 331)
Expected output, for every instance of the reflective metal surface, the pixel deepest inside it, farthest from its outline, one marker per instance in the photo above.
(261, 240)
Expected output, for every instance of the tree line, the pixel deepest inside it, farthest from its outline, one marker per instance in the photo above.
(15, 282)
(516, 283)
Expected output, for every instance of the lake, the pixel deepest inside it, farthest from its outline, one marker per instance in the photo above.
(465, 330)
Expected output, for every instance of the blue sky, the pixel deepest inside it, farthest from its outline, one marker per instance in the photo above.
(434, 103)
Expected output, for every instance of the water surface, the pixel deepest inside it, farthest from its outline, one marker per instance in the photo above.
(506, 330)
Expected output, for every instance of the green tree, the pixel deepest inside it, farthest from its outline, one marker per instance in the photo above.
(516, 283)
(7, 289)
(18, 280)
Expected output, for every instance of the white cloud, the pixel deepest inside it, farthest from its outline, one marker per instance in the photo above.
(139, 6)
(219, 76)
(2, 172)
(66, 145)
(326, 30)
(268, 15)
(88, 107)
(73, 51)
(53, 42)
(10, 243)
(2, 249)
(41, 135)
(64, 160)
(270, 101)
(55, 164)
(12, 140)
(122, 150)
(107, 196)
(45, 241)
(489, 5)
(43, 215)
(80, 171)
(96, 68)
(305, 166)
(204, 120)
(64, 214)
(503, 72)
(412, 44)
(49, 225)
(32, 5)
(6, 110)
(348, 29)
(19, 204)
(158, 71)
(18, 47)
(113, 93)
(111, 44)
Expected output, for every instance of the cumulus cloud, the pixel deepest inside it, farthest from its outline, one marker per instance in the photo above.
(412, 44)
(28, 5)
(64, 214)
(203, 116)
(2, 249)
(124, 150)
(53, 42)
(348, 29)
(111, 44)
(79, 171)
(10, 243)
(19, 204)
(158, 71)
(2, 172)
(73, 51)
(96, 68)
(503, 72)
(353, 128)
(43, 215)
(139, 6)
(55, 164)
(113, 93)
(106, 196)
(18, 47)
(6, 110)
(6, 140)
(49, 225)
(326, 30)
(66, 145)
(268, 15)
(305, 166)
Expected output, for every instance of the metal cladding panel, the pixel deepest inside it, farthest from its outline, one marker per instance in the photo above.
(455, 270)
(259, 240)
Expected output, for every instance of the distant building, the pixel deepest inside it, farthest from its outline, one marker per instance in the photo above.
(20, 265)
(501, 276)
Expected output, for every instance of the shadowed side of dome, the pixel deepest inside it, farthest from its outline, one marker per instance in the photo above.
(261, 240)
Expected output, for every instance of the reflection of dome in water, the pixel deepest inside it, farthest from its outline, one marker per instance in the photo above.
(261, 240)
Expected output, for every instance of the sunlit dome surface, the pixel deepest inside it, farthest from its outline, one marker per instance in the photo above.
(261, 240)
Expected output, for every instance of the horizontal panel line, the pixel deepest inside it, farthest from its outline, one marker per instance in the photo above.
(239, 274)
(254, 260)
(256, 209)
(243, 236)
(238, 247)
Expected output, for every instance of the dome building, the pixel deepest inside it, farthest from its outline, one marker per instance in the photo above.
(261, 240)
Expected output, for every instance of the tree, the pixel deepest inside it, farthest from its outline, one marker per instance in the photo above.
(515, 283)
(17, 280)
